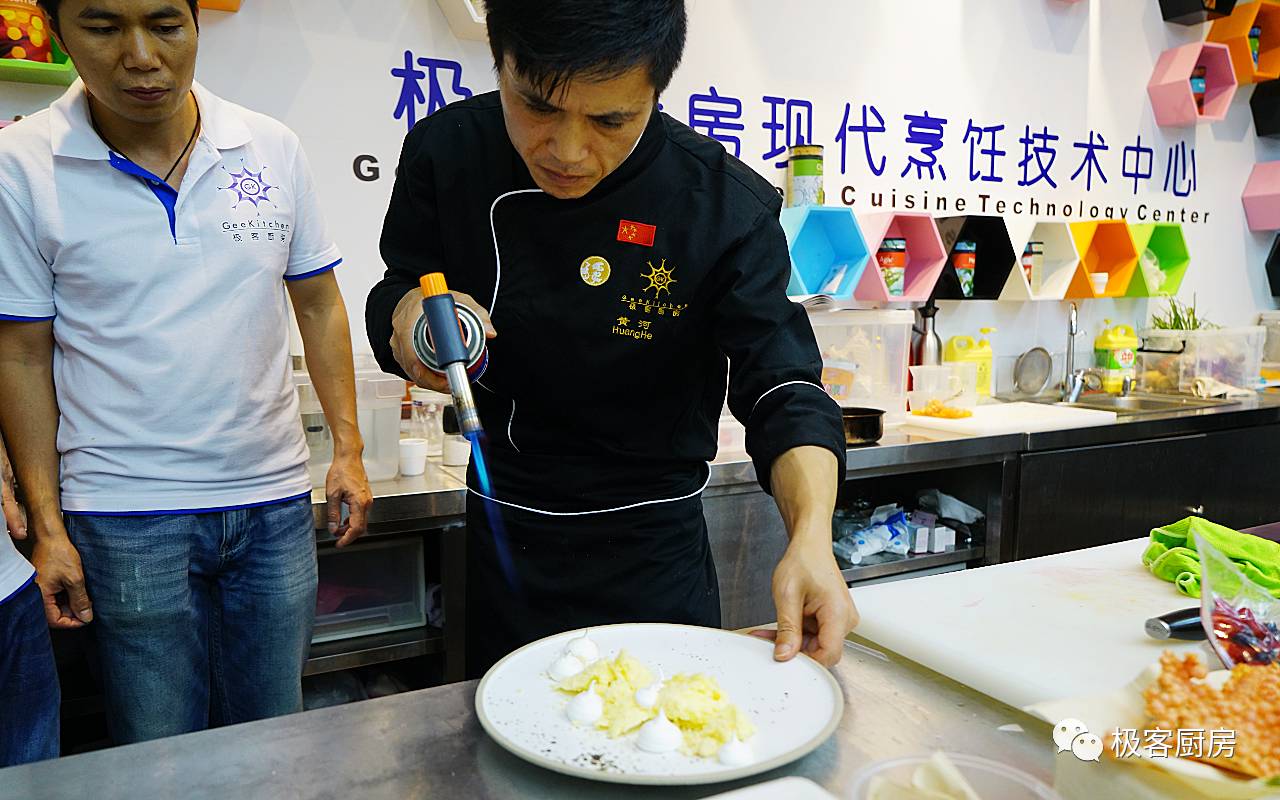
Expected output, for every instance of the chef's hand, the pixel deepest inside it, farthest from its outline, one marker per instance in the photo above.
(347, 483)
(402, 322)
(61, 580)
(815, 612)
(15, 516)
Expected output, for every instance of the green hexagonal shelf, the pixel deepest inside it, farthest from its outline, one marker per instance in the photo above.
(60, 73)
(1167, 242)
(828, 253)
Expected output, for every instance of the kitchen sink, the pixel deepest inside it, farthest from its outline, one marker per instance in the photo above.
(1146, 403)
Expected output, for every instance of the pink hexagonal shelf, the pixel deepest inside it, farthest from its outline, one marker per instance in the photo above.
(1261, 197)
(926, 256)
(1172, 100)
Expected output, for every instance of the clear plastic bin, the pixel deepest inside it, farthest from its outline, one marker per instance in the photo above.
(378, 414)
(732, 435)
(374, 587)
(1271, 321)
(864, 355)
(1171, 361)
(378, 404)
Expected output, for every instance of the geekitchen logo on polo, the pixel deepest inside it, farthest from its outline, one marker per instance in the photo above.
(254, 188)
(249, 187)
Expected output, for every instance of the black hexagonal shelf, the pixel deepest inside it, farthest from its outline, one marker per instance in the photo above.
(994, 261)
(1194, 12)
(1273, 267)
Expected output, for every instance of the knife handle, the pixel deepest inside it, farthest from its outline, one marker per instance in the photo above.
(1183, 624)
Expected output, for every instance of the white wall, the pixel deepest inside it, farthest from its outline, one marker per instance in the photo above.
(322, 66)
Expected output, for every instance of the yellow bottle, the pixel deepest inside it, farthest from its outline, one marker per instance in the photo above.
(1115, 354)
(964, 348)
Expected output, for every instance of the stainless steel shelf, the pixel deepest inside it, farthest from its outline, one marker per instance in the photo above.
(377, 648)
(884, 564)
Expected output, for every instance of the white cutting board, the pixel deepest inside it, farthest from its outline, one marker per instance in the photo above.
(1046, 628)
(1000, 418)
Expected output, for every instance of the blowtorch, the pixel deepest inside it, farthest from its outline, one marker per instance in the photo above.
(449, 339)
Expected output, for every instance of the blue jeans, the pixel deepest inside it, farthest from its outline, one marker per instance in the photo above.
(199, 619)
(29, 693)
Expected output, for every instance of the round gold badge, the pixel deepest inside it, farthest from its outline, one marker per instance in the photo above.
(594, 271)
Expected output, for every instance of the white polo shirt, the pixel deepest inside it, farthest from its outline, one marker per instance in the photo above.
(169, 309)
(15, 571)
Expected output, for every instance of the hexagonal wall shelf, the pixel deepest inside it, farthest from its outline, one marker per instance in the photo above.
(1167, 243)
(61, 72)
(828, 253)
(1233, 31)
(1273, 267)
(925, 256)
(1172, 100)
(1105, 246)
(1261, 197)
(994, 256)
(1060, 263)
(1194, 12)
(1265, 105)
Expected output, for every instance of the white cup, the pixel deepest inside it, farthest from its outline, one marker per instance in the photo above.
(1099, 281)
(413, 456)
(457, 451)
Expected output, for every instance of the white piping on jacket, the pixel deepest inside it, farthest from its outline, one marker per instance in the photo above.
(497, 257)
(788, 383)
(628, 507)
(511, 422)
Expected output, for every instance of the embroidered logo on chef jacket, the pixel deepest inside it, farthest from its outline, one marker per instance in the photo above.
(643, 312)
(595, 270)
(659, 279)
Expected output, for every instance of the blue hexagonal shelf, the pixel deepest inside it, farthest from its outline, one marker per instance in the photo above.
(828, 253)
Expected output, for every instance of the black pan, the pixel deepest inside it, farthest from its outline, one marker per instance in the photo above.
(863, 425)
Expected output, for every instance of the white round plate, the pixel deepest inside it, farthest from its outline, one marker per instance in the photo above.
(795, 705)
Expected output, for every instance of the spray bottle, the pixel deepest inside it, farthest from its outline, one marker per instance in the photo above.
(449, 339)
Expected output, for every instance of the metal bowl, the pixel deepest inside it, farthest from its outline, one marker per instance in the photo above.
(863, 425)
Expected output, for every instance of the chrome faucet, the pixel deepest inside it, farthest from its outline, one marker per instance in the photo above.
(1069, 376)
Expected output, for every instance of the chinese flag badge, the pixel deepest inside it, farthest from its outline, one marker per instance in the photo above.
(636, 232)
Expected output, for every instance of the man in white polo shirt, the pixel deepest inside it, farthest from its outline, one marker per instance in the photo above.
(152, 235)
(29, 692)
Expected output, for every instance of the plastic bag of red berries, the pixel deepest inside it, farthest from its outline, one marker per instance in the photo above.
(1241, 618)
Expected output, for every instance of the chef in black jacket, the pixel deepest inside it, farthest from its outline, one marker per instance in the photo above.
(626, 266)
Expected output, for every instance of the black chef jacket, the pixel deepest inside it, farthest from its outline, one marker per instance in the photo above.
(619, 316)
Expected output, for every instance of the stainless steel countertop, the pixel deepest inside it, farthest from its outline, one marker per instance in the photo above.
(429, 744)
(439, 497)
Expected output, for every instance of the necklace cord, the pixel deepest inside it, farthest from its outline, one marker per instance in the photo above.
(93, 122)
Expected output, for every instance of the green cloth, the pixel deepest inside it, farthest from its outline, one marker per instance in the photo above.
(1172, 555)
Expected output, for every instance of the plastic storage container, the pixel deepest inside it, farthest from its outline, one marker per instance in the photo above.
(864, 356)
(374, 587)
(1171, 361)
(378, 404)
(732, 435)
(1271, 321)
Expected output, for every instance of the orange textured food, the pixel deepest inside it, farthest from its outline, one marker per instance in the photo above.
(935, 408)
(1248, 703)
